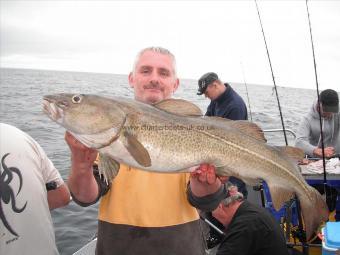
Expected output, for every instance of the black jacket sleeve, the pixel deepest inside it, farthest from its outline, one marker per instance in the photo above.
(209, 110)
(207, 203)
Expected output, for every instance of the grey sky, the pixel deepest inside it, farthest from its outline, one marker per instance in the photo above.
(104, 36)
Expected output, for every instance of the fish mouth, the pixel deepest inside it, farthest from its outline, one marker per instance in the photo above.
(51, 109)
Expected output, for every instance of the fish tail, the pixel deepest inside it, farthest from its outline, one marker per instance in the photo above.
(309, 203)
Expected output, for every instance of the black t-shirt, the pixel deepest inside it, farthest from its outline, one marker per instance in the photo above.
(253, 231)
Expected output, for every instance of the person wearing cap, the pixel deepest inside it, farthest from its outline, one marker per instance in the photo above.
(309, 138)
(225, 102)
(246, 228)
(308, 134)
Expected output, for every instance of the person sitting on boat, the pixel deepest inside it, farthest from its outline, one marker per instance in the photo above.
(30, 186)
(309, 136)
(247, 228)
(225, 103)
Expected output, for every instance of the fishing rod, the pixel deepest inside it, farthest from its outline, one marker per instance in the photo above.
(271, 69)
(319, 103)
(300, 233)
(212, 225)
(245, 84)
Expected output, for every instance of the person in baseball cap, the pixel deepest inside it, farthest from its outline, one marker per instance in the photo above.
(330, 101)
(205, 81)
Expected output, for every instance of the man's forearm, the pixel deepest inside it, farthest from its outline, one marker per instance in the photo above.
(83, 185)
(209, 202)
(59, 197)
(204, 189)
(303, 144)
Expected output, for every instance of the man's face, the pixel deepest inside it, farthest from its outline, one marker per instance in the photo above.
(223, 214)
(326, 115)
(154, 78)
(211, 91)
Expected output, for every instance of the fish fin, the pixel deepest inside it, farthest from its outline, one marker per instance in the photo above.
(136, 149)
(226, 171)
(179, 107)
(108, 167)
(296, 154)
(279, 195)
(219, 119)
(249, 128)
(223, 171)
(308, 203)
(251, 182)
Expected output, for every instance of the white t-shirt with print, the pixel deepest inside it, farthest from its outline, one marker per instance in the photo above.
(25, 221)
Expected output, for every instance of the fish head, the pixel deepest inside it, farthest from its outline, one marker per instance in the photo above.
(84, 114)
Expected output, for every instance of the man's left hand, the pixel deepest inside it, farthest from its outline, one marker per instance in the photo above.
(205, 174)
(204, 181)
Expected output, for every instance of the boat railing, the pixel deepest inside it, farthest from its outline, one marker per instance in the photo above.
(280, 130)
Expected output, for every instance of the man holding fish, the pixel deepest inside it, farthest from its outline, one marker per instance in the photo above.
(142, 212)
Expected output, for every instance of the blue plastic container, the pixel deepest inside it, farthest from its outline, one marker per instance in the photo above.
(331, 242)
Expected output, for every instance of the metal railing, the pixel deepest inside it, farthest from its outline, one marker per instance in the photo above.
(280, 130)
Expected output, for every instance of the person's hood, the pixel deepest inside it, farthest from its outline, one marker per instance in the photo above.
(314, 110)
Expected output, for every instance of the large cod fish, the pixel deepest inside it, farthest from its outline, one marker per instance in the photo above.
(173, 136)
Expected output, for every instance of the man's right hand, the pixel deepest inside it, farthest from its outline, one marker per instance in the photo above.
(82, 156)
(329, 152)
(81, 181)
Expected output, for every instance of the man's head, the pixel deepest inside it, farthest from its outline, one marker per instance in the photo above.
(210, 85)
(329, 102)
(153, 77)
(229, 205)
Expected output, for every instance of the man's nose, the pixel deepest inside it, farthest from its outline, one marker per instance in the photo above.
(154, 77)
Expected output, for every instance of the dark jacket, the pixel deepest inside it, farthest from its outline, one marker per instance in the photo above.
(253, 231)
(228, 105)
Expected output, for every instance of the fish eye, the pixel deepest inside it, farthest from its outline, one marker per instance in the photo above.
(76, 99)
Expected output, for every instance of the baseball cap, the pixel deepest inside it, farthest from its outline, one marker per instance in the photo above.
(330, 101)
(204, 82)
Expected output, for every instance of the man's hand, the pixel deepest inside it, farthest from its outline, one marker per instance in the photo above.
(203, 180)
(329, 152)
(81, 181)
(82, 156)
(233, 190)
(205, 174)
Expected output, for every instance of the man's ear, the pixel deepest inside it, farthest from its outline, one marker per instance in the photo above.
(131, 79)
(176, 85)
(215, 83)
